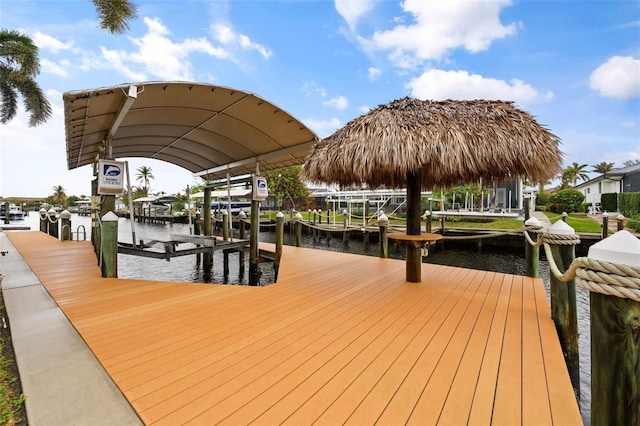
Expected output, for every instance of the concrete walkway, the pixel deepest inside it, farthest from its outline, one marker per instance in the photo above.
(542, 218)
(63, 382)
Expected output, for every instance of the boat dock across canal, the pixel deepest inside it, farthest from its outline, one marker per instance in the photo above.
(339, 339)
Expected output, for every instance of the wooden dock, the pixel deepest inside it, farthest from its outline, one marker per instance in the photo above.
(340, 339)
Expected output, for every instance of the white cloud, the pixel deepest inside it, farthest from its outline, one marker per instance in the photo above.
(311, 88)
(441, 26)
(374, 73)
(115, 60)
(339, 102)
(225, 35)
(323, 128)
(352, 10)
(629, 124)
(439, 85)
(57, 68)
(618, 78)
(619, 157)
(52, 44)
(157, 55)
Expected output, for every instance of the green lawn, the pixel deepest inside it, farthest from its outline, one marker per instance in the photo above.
(579, 222)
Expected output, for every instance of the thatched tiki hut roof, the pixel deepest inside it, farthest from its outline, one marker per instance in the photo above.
(448, 142)
(425, 144)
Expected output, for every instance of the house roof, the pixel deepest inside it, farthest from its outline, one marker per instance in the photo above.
(206, 129)
(615, 174)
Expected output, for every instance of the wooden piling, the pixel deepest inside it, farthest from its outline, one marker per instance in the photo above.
(620, 222)
(207, 258)
(65, 225)
(279, 240)
(225, 225)
(605, 225)
(109, 245)
(384, 240)
(564, 307)
(615, 360)
(427, 222)
(241, 224)
(533, 228)
(298, 229)
(197, 230)
(43, 221)
(53, 223)
(615, 331)
(254, 257)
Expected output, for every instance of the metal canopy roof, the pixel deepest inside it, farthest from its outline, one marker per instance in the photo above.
(203, 128)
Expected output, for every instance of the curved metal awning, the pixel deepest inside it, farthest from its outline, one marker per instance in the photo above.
(206, 129)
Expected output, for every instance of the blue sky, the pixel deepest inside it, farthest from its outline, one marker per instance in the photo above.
(574, 65)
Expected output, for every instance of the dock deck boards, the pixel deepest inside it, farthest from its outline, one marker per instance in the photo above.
(340, 339)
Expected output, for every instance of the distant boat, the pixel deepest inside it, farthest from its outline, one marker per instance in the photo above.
(15, 212)
(236, 206)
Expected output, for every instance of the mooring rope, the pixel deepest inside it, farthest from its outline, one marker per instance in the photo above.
(597, 276)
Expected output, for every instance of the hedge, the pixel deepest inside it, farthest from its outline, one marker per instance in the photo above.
(609, 202)
(629, 203)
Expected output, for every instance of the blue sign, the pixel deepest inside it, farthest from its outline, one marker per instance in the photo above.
(110, 170)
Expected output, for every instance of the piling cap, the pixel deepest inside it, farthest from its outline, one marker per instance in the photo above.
(298, 216)
(622, 248)
(242, 213)
(383, 220)
(279, 214)
(65, 214)
(533, 221)
(110, 217)
(52, 211)
(225, 212)
(561, 228)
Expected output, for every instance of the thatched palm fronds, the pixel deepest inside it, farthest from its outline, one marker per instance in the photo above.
(448, 143)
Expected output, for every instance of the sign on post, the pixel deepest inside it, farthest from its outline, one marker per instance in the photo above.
(110, 177)
(260, 191)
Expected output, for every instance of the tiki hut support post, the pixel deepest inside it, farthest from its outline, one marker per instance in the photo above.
(414, 257)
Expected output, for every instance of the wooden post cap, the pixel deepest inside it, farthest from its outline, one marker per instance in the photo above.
(533, 221)
(560, 228)
(621, 248)
(110, 217)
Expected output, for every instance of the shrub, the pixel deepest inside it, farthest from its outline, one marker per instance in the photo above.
(629, 203)
(567, 200)
(634, 222)
(542, 199)
(609, 202)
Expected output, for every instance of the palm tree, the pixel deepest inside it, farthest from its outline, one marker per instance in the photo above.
(115, 14)
(574, 172)
(144, 175)
(59, 195)
(602, 167)
(19, 65)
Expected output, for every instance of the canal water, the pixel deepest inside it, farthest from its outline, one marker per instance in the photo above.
(470, 255)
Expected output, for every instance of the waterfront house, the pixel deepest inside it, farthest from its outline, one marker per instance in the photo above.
(624, 179)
